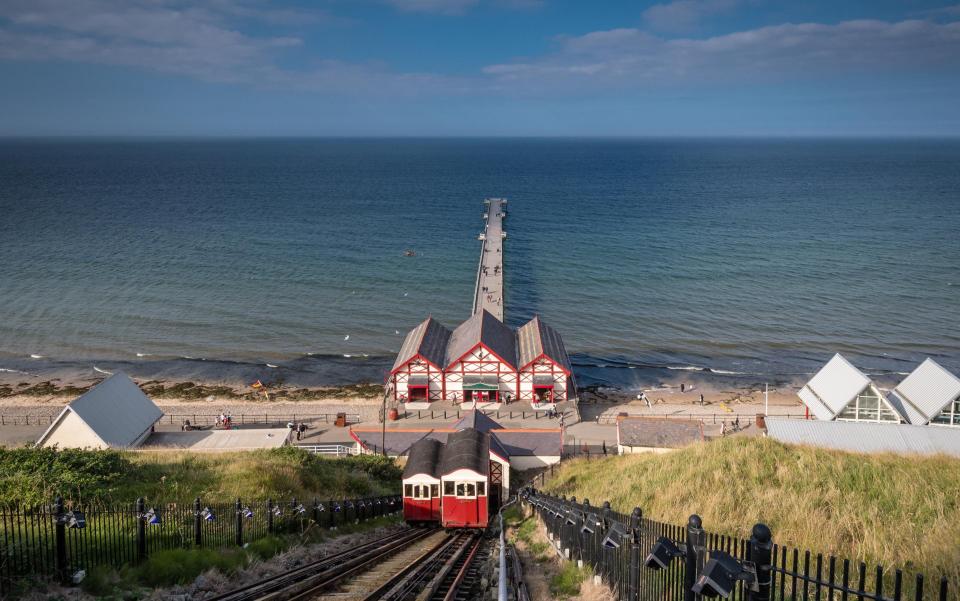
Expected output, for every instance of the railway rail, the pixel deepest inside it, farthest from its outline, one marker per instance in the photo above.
(307, 582)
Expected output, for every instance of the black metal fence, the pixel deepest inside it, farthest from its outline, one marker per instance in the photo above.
(644, 560)
(57, 541)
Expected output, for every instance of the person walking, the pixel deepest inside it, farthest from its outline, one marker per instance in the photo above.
(701, 399)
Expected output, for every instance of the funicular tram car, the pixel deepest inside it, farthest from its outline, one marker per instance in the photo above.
(464, 477)
(448, 483)
(421, 484)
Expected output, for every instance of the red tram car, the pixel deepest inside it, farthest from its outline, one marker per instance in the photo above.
(421, 484)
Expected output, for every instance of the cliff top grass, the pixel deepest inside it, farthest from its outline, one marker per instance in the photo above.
(36, 476)
(899, 511)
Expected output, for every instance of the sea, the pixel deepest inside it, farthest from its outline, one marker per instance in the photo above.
(285, 260)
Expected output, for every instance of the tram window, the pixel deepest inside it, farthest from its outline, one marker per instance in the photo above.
(466, 490)
(408, 490)
(434, 490)
(481, 489)
(448, 488)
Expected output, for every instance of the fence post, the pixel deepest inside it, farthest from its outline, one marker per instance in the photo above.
(197, 523)
(269, 516)
(316, 510)
(633, 586)
(61, 538)
(695, 542)
(239, 517)
(141, 532)
(760, 553)
(333, 518)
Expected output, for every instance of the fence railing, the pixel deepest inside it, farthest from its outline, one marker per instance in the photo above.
(330, 450)
(645, 560)
(57, 541)
(495, 413)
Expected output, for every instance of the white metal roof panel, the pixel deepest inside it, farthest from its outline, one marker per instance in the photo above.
(866, 437)
(835, 385)
(927, 390)
(116, 410)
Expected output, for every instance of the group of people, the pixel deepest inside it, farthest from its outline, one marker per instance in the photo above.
(298, 428)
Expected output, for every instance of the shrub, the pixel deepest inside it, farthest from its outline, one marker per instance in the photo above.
(567, 582)
(181, 566)
(36, 475)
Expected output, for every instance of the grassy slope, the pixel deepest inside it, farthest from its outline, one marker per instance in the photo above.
(898, 511)
(37, 475)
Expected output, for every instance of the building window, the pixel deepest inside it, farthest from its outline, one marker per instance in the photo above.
(870, 407)
(448, 488)
(950, 416)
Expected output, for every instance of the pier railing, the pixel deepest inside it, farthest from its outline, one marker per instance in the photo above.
(645, 560)
(59, 540)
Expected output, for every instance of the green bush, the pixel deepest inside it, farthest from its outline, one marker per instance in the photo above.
(567, 582)
(36, 475)
(267, 547)
(181, 566)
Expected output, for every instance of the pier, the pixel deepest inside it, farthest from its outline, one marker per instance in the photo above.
(488, 293)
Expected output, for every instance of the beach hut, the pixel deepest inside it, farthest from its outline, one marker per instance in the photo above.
(546, 375)
(929, 395)
(481, 361)
(417, 373)
(841, 391)
(113, 414)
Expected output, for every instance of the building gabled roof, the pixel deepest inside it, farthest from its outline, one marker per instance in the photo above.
(865, 437)
(466, 450)
(116, 410)
(833, 387)
(478, 421)
(536, 338)
(657, 433)
(926, 392)
(429, 340)
(482, 328)
(424, 458)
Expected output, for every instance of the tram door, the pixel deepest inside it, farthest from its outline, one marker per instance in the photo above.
(496, 487)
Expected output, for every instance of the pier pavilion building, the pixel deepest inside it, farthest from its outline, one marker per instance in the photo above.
(482, 361)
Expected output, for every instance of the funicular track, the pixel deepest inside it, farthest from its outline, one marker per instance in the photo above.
(307, 582)
(437, 575)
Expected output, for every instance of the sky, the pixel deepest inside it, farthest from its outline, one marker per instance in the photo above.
(479, 68)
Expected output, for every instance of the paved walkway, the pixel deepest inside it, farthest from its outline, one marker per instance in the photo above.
(489, 288)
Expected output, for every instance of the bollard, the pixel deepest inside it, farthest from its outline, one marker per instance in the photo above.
(61, 538)
(696, 538)
(197, 523)
(269, 516)
(239, 518)
(760, 553)
(141, 531)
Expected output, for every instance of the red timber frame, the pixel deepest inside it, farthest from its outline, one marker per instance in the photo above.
(484, 357)
(544, 366)
(418, 365)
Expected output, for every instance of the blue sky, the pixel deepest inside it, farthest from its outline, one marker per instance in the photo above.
(479, 67)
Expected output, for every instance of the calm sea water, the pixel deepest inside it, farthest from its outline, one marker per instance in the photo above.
(212, 258)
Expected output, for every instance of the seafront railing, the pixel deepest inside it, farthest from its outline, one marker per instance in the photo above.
(645, 560)
(60, 541)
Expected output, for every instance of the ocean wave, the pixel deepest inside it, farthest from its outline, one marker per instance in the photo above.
(34, 356)
(102, 371)
(16, 371)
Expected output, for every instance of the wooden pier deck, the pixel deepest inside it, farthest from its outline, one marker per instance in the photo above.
(488, 293)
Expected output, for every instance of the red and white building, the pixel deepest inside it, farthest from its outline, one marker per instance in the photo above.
(546, 375)
(482, 361)
(417, 374)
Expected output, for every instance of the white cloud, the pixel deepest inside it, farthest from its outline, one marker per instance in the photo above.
(444, 7)
(634, 58)
(684, 15)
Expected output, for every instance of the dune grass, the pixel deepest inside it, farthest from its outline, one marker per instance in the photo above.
(35, 476)
(898, 511)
